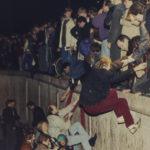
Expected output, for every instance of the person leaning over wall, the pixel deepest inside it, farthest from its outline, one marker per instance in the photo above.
(97, 96)
(137, 12)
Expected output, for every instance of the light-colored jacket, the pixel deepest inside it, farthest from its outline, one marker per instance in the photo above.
(128, 28)
(56, 123)
(70, 40)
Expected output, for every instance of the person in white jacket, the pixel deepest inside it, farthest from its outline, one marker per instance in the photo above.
(59, 123)
(67, 43)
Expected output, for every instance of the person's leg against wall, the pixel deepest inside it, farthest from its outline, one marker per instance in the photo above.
(112, 102)
(122, 109)
(79, 135)
(105, 51)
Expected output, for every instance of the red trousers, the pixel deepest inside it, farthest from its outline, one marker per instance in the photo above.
(112, 102)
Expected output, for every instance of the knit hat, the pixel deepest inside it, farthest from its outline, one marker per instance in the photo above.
(61, 137)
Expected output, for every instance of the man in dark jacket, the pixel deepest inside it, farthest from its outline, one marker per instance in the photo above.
(38, 113)
(10, 118)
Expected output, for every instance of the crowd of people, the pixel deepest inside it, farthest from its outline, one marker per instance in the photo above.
(102, 50)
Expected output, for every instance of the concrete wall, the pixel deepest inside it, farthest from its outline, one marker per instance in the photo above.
(45, 90)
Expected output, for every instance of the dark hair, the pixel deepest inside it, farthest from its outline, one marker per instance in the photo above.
(137, 8)
(49, 110)
(133, 45)
(107, 3)
(30, 103)
(42, 137)
(93, 11)
(123, 37)
(81, 19)
(65, 65)
(147, 19)
(95, 47)
(10, 101)
(28, 134)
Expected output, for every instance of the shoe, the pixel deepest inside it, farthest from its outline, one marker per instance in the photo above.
(93, 140)
(120, 120)
(135, 127)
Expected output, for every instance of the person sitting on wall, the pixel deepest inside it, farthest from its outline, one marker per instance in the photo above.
(38, 113)
(97, 96)
(59, 123)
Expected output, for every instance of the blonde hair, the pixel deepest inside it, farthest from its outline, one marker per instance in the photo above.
(102, 60)
(40, 124)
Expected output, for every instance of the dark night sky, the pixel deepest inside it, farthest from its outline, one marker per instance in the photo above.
(21, 15)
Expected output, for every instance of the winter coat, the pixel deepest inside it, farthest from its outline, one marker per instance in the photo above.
(98, 84)
(56, 123)
(10, 116)
(38, 115)
(70, 40)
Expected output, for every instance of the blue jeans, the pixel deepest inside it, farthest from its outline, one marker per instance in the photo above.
(78, 135)
(105, 50)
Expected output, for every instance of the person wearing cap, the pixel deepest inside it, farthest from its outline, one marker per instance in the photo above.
(62, 140)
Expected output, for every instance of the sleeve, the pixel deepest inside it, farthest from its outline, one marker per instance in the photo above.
(63, 112)
(72, 85)
(96, 21)
(74, 32)
(143, 44)
(60, 36)
(121, 76)
(73, 40)
(26, 46)
(115, 25)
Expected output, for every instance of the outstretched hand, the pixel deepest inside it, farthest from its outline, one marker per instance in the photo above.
(140, 69)
(127, 61)
(62, 99)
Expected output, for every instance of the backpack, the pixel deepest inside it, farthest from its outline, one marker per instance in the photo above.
(84, 47)
(107, 21)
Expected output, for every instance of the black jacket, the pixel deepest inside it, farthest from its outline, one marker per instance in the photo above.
(10, 116)
(38, 115)
(98, 84)
(81, 33)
